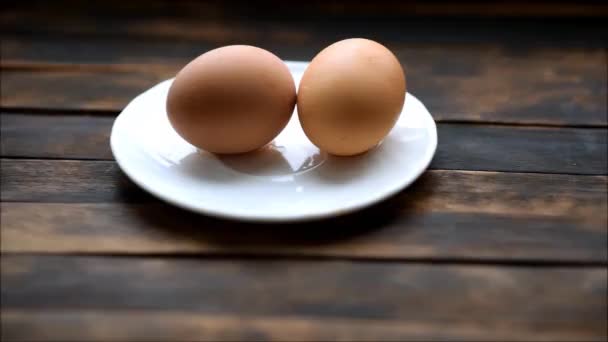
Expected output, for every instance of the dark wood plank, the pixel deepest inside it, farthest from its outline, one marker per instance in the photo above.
(56, 136)
(72, 181)
(493, 8)
(74, 89)
(522, 149)
(472, 20)
(138, 325)
(552, 86)
(490, 83)
(436, 302)
(286, 41)
(102, 181)
(446, 214)
(465, 147)
(78, 325)
(397, 229)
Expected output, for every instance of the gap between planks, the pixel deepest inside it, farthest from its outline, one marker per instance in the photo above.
(101, 160)
(114, 113)
(271, 256)
(539, 302)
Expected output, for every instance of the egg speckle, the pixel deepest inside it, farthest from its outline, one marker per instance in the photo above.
(351, 96)
(233, 99)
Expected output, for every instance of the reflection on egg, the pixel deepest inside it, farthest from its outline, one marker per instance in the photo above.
(234, 99)
(350, 96)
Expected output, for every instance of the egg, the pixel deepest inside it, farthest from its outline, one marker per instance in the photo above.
(351, 96)
(233, 99)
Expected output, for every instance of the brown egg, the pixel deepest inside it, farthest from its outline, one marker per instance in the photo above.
(233, 99)
(350, 96)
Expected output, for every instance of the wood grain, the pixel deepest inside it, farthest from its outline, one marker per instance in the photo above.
(122, 325)
(72, 181)
(568, 87)
(398, 229)
(446, 214)
(522, 149)
(138, 325)
(74, 89)
(166, 19)
(102, 181)
(450, 301)
(465, 147)
(56, 136)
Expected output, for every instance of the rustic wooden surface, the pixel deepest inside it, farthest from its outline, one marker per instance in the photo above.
(503, 238)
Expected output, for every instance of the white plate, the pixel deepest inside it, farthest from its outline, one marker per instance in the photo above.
(290, 180)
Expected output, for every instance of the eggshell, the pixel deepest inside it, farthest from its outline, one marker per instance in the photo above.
(350, 96)
(233, 99)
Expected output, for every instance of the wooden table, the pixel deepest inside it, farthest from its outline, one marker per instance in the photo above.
(503, 238)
